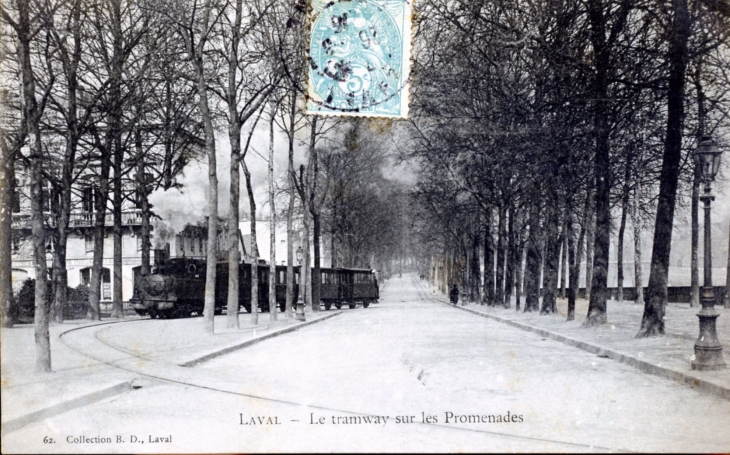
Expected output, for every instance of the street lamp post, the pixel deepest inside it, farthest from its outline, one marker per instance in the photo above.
(300, 316)
(708, 350)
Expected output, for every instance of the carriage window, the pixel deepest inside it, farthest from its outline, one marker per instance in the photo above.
(282, 276)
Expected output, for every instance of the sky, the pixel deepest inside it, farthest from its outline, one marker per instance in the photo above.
(189, 204)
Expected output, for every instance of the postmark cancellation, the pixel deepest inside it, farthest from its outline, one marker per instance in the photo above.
(359, 58)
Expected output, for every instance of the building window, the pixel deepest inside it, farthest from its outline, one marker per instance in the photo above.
(89, 196)
(106, 289)
(89, 241)
(46, 195)
(139, 242)
(16, 201)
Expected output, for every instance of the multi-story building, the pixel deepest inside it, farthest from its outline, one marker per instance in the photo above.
(80, 246)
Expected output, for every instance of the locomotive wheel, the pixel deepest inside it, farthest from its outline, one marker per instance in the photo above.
(353, 305)
(218, 311)
(366, 304)
(338, 305)
(153, 314)
(327, 306)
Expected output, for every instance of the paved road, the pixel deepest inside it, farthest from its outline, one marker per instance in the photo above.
(404, 360)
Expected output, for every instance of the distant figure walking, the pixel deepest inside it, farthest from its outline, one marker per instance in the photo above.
(454, 294)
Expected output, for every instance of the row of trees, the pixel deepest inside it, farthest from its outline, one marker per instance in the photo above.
(544, 127)
(118, 96)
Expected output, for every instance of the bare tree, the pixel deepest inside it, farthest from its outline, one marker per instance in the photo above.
(12, 137)
(26, 27)
(194, 22)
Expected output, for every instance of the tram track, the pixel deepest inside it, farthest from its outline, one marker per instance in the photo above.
(136, 363)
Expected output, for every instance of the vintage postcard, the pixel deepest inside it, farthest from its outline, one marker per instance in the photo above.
(212, 241)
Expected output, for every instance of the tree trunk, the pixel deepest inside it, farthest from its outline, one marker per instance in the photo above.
(254, 247)
(488, 260)
(313, 290)
(622, 231)
(273, 308)
(7, 183)
(117, 310)
(101, 193)
(254, 287)
(520, 262)
(333, 234)
(290, 213)
(573, 260)
(652, 323)
(110, 148)
(589, 244)
(638, 266)
(234, 137)
(290, 243)
(305, 280)
(42, 337)
(511, 258)
(552, 256)
(307, 262)
(144, 204)
(727, 279)
(475, 272)
(694, 299)
(60, 272)
(317, 272)
(599, 281)
(501, 234)
(32, 115)
(70, 62)
(532, 267)
(197, 54)
(564, 259)
(234, 254)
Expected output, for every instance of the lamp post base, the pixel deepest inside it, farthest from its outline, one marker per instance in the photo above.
(300, 316)
(708, 350)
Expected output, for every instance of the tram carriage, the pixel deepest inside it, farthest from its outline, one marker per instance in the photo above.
(176, 288)
(348, 287)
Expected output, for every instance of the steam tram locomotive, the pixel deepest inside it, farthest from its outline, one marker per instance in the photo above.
(176, 288)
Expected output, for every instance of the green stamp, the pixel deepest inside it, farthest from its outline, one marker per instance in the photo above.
(359, 58)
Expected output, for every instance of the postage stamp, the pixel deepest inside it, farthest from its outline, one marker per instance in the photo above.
(359, 58)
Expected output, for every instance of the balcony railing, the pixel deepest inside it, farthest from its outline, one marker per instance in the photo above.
(80, 219)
